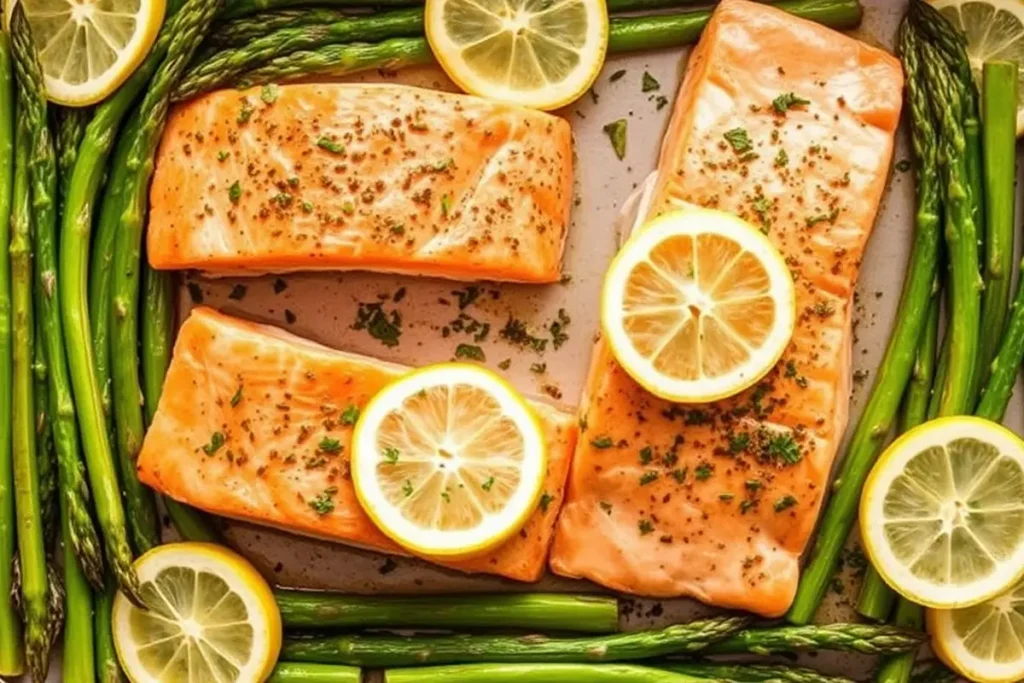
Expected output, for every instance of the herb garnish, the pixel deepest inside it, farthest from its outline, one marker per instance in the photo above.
(739, 140)
(787, 101)
(216, 441)
(616, 132)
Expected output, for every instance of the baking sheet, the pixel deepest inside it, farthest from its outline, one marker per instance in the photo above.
(323, 307)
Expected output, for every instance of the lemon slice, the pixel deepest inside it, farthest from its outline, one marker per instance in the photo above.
(942, 512)
(211, 617)
(984, 643)
(698, 305)
(449, 460)
(995, 31)
(88, 48)
(535, 53)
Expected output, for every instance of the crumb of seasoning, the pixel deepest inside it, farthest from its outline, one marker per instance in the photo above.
(470, 352)
(739, 140)
(195, 292)
(216, 441)
(784, 503)
(679, 475)
(753, 484)
(601, 442)
(388, 567)
(384, 326)
(329, 445)
(446, 203)
(486, 486)
(781, 159)
(279, 285)
(646, 455)
(616, 132)
(617, 75)
(238, 292)
(324, 503)
(606, 506)
(515, 332)
(703, 471)
(391, 454)
(837, 585)
(407, 488)
(738, 443)
(645, 526)
(245, 113)
(350, 416)
(324, 142)
(661, 102)
(903, 165)
(726, 497)
(222, 155)
(545, 501)
(557, 328)
(787, 101)
(237, 397)
(467, 296)
(235, 192)
(538, 368)
(648, 477)
(289, 317)
(270, 93)
(649, 83)
(505, 364)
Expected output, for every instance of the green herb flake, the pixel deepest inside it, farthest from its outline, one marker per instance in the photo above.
(753, 484)
(486, 486)
(649, 83)
(384, 326)
(350, 416)
(726, 497)
(545, 500)
(329, 445)
(616, 132)
(538, 368)
(235, 192)
(505, 364)
(646, 455)
(407, 488)
(781, 159)
(324, 503)
(270, 93)
(648, 477)
(617, 75)
(679, 475)
(324, 142)
(222, 155)
(470, 352)
(738, 443)
(601, 442)
(237, 397)
(445, 496)
(645, 526)
(784, 503)
(784, 448)
(245, 113)
(787, 101)
(446, 204)
(391, 454)
(216, 441)
(703, 471)
(739, 140)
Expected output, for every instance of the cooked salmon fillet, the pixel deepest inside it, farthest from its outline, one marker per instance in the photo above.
(368, 177)
(237, 430)
(791, 126)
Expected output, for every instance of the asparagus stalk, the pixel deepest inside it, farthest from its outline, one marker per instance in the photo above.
(933, 672)
(752, 673)
(897, 669)
(243, 30)
(191, 28)
(78, 662)
(543, 612)
(626, 34)
(537, 673)
(70, 123)
(11, 651)
(292, 672)
(108, 669)
(867, 639)
(45, 454)
(897, 364)
(224, 66)
(388, 650)
(241, 8)
(997, 393)
(999, 91)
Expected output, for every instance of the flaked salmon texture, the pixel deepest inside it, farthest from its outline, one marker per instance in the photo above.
(791, 126)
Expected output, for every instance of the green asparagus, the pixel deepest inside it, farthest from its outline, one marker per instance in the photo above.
(864, 638)
(932, 672)
(239, 8)
(224, 66)
(893, 372)
(32, 144)
(243, 30)
(291, 672)
(999, 91)
(78, 661)
(45, 453)
(999, 389)
(751, 673)
(897, 669)
(537, 673)
(543, 612)
(108, 669)
(195, 18)
(626, 34)
(11, 651)
(70, 123)
(388, 650)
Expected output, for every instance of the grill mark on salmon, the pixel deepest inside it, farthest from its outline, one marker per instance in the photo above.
(255, 424)
(370, 177)
(718, 501)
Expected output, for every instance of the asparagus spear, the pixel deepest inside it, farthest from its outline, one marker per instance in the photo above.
(933, 672)
(743, 673)
(11, 651)
(108, 669)
(45, 454)
(997, 393)
(388, 650)
(864, 638)
(626, 34)
(239, 8)
(895, 369)
(537, 673)
(70, 123)
(584, 613)
(243, 30)
(897, 669)
(999, 90)
(291, 672)
(194, 22)
(224, 66)
(78, 662)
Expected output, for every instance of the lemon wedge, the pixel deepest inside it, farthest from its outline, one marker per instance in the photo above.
(698, 305)
(448, 461)
(942, 512)
(88, 48)
(984, 643)
(211, 617)
(994, 31)
(535, 53)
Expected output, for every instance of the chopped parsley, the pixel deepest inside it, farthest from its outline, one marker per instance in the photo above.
(648, 477)
(324, 503)
(739, 140)
(238, 292)
(237, 397)
(470, 352)
(245, 113)
(649, 83)
(616, 132)
(738, 443)
(235, 192)
(787, 101)
(391, 454)
(505, 364)
(384, 326)
(601, 442)
(329, 445)
(350, 415)
(557, 329)
(645, 526)
(216, 441)
(753, 484)
(407, 488)
(446, 203)
(784, 503)
(270, 93)
(703, 471)
(781, 159)
(538, 368)
(725, 497)
(324, 142)
(617, 75)
(679, 475)
(222, 155)
(486, 486)
(545, 500)
(784, 448)
(646, 455)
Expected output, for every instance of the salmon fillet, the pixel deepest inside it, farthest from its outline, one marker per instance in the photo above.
(718, 501)
(369, 177)
(237, 430)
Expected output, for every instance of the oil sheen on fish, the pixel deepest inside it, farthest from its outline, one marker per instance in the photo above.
(240, 429)
(790, 125)
(361, 176)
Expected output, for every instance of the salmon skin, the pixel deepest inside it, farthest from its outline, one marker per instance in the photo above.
(369, 177)
(240, 425)
(791, 126)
